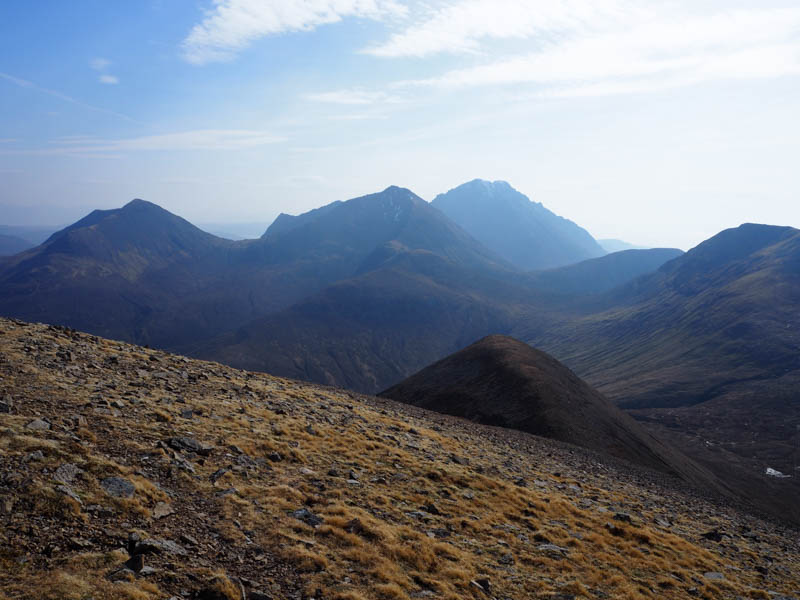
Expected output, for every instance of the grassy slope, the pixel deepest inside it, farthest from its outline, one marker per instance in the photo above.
(439, 503)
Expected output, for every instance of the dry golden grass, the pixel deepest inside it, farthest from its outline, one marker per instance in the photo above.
(413, 520)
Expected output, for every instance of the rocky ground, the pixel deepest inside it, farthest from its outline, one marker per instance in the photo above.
(131, 473)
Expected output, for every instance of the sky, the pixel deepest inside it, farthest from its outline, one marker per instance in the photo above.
(660, 123)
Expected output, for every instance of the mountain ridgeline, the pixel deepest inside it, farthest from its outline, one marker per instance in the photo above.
(364, 293)
(523, 232)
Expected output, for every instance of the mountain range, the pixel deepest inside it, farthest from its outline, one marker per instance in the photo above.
(700, 347)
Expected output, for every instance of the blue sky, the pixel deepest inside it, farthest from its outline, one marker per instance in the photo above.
(657, 122)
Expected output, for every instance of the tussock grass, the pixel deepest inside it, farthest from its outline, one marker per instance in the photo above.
(413, 520)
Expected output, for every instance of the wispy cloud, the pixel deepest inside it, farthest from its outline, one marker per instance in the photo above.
(200, 139)
(232, 25)
(99, 64)
(649, 54)
(460, 27)
(24, 83)
(352, 97)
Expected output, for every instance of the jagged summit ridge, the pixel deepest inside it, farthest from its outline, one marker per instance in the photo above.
(523, 232)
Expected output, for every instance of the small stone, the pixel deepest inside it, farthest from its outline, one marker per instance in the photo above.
(135, 563)
(189, 444)
(306, 471)
(162, 509)
(714, 576)
(506, 559)
(714, 535)
(118, 487)
(38, 425)
(187, 413)
(216, 475)
(354, 526)
(35, 455)
(431, 508)
(66, 473)
(275, 456)
(624, 517)
(352, 474)
(159, 546)
(553, 550)
(67, 491)
(307, 517)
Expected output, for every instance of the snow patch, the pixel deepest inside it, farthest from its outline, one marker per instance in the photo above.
(773, 473)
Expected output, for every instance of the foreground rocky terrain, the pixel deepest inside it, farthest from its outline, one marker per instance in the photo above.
(132, 473)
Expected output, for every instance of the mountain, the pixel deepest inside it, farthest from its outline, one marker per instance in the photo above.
(130, 473)
(121, 272)
(598, 275)
(705, 351)
(524, 233)
(720, 315)
(501, 381)
(142, 274)
(11, 244)
(614, 245)
(422, 289)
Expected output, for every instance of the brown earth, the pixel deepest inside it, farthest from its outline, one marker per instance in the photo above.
(214, 483)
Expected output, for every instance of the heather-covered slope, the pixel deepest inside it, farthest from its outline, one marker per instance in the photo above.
(128, 473)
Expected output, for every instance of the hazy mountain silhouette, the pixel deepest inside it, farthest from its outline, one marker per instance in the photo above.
(365, 292)
(11, 244)
(721, 314)
(502, 381)
(602, 274)
(142, 274)
(706, 351)
(523, 232)
(614, 245)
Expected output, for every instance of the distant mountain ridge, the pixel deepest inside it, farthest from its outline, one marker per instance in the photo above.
(615, 245)
(521, 231)
(598, 275)
(365, 292)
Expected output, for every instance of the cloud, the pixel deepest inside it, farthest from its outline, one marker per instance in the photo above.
(232, 25)
(352, 97)
(108, 79)
(99, 64)
(200, 139)
(24, 83)
(647, 55)
(461, 27)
